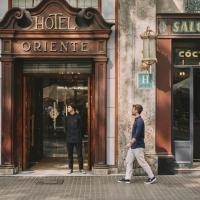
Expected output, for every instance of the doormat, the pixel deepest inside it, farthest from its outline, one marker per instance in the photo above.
(49, 180)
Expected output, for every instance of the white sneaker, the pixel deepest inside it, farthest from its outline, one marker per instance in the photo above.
(82, 171)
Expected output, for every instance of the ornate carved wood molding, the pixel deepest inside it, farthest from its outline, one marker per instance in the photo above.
(54, 15)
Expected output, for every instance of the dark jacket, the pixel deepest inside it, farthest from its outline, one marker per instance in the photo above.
(73, 128)
(138, 133)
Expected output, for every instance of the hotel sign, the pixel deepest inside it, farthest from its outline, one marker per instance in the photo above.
(63, 46)
(172, 26)
(144, 80)
(54, 21)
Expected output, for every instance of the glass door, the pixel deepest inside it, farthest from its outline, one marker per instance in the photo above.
(183, 115)
(196, 84)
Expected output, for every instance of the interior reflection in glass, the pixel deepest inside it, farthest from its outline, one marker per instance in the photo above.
(181, 104)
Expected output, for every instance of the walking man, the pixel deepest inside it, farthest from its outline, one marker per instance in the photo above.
(74, 137)
(136, 148)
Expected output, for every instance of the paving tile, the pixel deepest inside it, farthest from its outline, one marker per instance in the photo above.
(177, 187)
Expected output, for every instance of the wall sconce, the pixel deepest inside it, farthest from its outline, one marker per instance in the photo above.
(149, 49)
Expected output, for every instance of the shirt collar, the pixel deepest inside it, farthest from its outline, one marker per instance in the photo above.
(138, 117)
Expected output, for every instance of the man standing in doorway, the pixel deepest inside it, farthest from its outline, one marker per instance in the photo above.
(74, 137)
(136, 148)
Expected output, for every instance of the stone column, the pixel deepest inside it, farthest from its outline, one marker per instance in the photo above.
(135, 16)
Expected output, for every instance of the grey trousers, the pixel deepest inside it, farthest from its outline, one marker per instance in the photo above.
(137, 154)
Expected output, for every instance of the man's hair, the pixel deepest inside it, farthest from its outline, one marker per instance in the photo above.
(138, 107)
(72, 105)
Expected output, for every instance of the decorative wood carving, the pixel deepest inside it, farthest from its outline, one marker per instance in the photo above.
(54, 15)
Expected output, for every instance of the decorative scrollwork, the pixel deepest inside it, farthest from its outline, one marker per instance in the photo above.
(91, 16)
(19, 14)
(85, 17)
(16, 17)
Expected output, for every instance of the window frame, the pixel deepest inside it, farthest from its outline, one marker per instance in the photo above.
(10, 5)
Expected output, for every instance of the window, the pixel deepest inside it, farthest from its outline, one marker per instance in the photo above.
(192, 6)
(3, 8)
(74, 3)
(83, 3)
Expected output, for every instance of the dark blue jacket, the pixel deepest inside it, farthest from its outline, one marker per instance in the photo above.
(138, 133)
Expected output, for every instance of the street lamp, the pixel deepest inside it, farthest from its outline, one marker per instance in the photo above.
(149, 49)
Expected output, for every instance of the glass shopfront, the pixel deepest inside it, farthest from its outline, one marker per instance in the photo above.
(186, 104)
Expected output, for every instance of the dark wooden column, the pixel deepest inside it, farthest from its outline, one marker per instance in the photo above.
(100, 112)
(7, 111)
(163, 99)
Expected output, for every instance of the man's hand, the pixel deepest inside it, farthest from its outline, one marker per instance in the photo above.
(128, 145)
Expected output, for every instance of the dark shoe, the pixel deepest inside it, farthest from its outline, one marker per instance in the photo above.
(70, 171)
(150, 180)
(123, 180)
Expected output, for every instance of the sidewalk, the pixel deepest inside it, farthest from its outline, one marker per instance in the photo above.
(176, 187)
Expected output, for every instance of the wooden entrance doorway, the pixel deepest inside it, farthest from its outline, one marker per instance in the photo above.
(52, 30)
(45, 99)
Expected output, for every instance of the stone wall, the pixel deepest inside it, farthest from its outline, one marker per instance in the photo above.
(134, 17)
(170, 6)
(108, 13)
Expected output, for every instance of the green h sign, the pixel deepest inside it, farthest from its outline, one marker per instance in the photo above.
(144, 80)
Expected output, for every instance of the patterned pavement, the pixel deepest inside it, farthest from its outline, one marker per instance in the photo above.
(176, 187)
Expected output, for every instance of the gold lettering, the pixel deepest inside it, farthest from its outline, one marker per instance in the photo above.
(53, 47)
(37, 46)
(195, 54)
(45, 46)
(39, 24)
(181, 54)
(68, 24)
(176, 26)
(61, 22)
(191, 26)
(184, 27)
(74, 46)
(198, 26)
(64, 46)
(84, 47)
(26, 46)
(188, 54)
(55, 19)
(51, 21)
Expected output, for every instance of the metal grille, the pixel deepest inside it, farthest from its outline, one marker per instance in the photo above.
(74, 3)
(192, 6)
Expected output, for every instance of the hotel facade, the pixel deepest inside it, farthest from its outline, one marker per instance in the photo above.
(53, 52)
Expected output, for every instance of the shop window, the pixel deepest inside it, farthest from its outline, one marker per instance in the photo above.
(192, 6)
(74, 3)
(3, 8)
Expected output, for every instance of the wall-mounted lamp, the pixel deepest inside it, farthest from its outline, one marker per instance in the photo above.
(149, 49)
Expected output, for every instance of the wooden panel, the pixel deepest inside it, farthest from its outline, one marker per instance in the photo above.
(18, 132)
(100, 113)
(7, 112)
(89, 122)
(163, 96)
